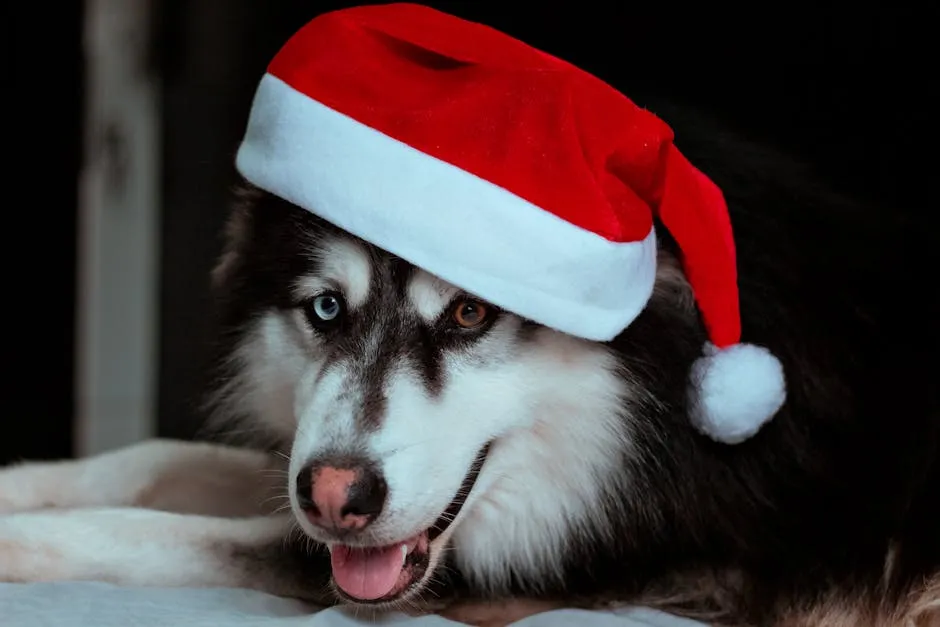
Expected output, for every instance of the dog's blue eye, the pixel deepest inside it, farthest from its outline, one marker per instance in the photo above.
(326, 307)
(324, 310)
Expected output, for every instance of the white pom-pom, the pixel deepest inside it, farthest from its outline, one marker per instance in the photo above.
(735, 391)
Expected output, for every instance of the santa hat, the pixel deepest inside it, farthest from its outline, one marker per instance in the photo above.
(509, 173)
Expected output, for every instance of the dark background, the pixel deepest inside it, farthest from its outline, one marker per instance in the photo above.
(848, 91)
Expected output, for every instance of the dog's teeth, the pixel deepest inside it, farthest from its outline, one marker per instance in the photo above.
(404, 553)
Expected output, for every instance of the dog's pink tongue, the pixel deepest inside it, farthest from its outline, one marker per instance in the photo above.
(366, 574)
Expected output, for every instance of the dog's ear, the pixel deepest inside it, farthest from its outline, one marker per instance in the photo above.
(236, 235)
(671, 284)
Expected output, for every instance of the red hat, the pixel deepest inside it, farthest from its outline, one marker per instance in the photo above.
(507, 172)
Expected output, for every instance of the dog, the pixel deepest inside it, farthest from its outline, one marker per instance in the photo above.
(405, 444)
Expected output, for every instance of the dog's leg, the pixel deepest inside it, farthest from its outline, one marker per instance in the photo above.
(132, 546)
(185, 477)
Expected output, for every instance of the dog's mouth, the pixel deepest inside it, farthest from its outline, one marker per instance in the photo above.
(381, 574)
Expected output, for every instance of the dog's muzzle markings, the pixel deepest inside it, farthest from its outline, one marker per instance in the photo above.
(342, 498)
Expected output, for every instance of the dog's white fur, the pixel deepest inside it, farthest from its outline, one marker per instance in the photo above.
(345, 265)
(176, 513)
(149, 514)
(426, 445)
(184, 477)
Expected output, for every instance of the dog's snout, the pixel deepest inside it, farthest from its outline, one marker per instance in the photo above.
(341, 497)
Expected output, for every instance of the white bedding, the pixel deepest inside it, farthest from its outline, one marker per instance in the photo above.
(105, 605)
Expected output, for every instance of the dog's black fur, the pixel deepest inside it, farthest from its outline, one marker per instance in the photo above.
(849, 471)
(837, 500)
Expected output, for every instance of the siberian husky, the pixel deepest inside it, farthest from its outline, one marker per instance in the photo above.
(414, 447)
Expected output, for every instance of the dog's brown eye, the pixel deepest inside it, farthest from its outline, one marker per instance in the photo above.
(470, 314)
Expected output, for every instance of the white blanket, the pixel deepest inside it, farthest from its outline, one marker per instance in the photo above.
(105, 605)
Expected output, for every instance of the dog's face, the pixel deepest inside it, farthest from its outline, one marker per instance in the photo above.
(419, 416)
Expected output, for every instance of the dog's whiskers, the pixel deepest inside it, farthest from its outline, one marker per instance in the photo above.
(274, 472)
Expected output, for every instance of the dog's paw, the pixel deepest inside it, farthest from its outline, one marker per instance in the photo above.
(25, 555)
(14, 489)
(29, 486)
(496, 613)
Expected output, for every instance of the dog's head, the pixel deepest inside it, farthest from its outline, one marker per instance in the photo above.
(417, 416)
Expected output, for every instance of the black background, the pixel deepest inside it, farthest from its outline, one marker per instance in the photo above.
(849, 91)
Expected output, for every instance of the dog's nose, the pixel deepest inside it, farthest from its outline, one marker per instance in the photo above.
(341, 498)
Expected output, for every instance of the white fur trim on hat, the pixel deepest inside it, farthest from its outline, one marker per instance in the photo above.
(735, 391)
(451, 223)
